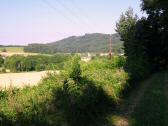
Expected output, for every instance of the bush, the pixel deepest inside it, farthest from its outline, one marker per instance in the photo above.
(1, 61)
(40, 67)
(135, 35)
(87, 100)
(80, 100)
(82, 104)
(137, 68)
(73, 68)
(77, 97)
(108, 74)
(118, 62)
(2, 70)
(14, 63)
(4, 50)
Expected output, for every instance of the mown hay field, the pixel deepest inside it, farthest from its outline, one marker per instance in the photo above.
(21, 79)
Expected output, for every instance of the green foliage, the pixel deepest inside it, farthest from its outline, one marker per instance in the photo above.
(130, 29)
(145, 39)
(14, 63)
(84, 97)
(116, 62)
(156, 35)
(108, 74)
(126, 27)
(4, 50)
(87, 43)
(81, 97)
(18, 63)
(81, 104)
(1, 61)
(73, 68)
(28, 63)
(2, 70)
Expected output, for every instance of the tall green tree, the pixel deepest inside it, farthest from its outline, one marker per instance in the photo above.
(130, 30)
(126, 29)
(157, 40)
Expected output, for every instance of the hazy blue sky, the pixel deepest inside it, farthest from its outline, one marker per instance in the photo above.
(29, 21)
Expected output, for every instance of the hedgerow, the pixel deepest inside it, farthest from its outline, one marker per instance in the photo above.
(20, 63)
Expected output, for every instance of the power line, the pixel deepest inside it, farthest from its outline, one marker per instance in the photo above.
(71, 11)
(87, 19)
(59, 11)
(110, 50)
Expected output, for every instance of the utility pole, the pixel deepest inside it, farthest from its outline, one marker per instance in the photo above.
(77, 50)
(110, 47)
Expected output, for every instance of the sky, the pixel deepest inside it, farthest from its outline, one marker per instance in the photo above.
(42, 21)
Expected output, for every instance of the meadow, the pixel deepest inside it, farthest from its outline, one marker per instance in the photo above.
(12, 49)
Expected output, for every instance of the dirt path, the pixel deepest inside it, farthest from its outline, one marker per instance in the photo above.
(166, 85)
(135, 99)
(166, 94)
(129, 105)
(146, 105)
(21, 79)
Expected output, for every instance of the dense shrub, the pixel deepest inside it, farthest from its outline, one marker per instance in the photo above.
(28, 63)
(18, 63)
(1, 61)
(14, 63)
(132, 33)
(4, 50)
(73, 68)
(116, 62)
(108, 74)
(81, 100)
(2, 70)
(79, 96)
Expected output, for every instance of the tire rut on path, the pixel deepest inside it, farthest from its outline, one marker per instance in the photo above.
(127, 109)
(166, 94)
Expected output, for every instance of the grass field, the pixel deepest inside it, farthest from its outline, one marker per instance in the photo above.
(152, 110)
(12, 49)
(146, 105)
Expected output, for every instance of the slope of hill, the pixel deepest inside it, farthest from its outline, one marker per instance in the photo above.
(95, 42)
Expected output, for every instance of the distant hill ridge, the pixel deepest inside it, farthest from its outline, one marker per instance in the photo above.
(95, 42)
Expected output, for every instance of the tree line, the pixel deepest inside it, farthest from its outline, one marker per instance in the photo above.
(145, 39)
(18, 63)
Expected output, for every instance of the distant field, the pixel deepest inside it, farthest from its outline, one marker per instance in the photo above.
(22, 79)
(6, 54)
(12, 49)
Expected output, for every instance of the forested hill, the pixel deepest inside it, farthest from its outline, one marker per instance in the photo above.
(95, 42)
